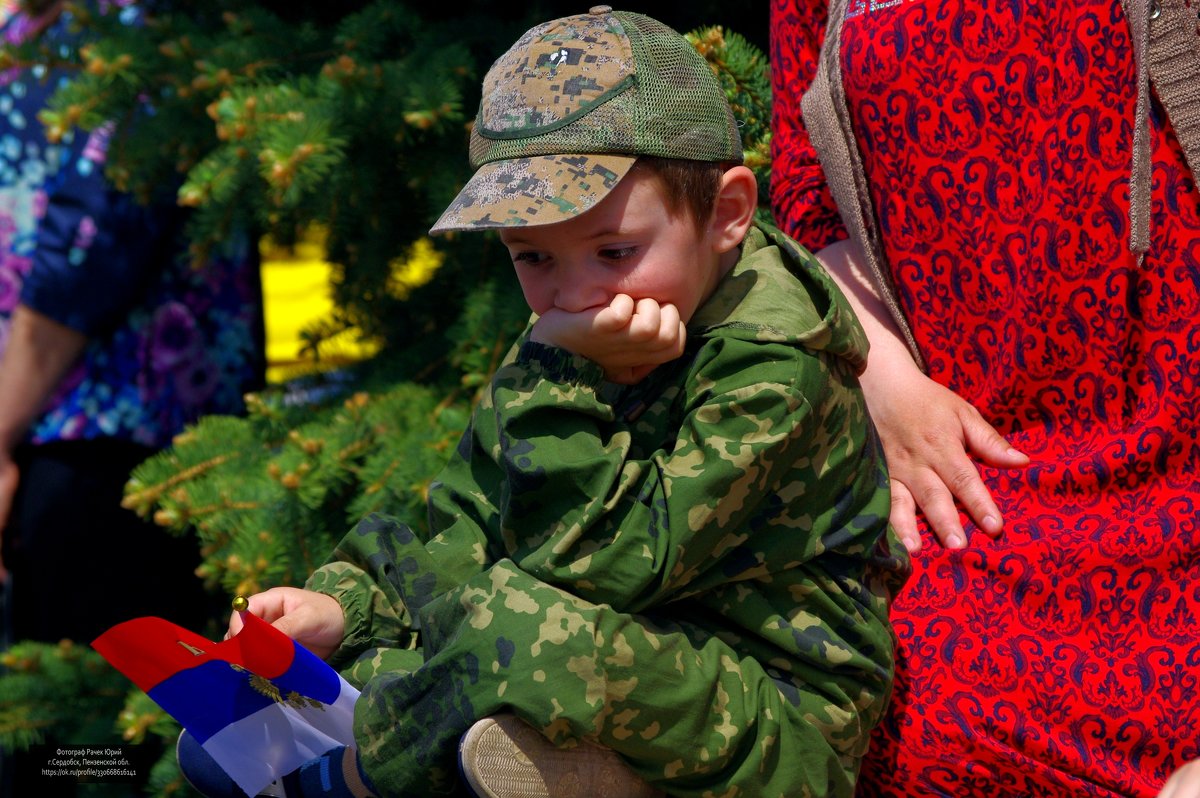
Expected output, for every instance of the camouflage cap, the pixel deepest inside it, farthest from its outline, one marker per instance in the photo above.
(568, 109)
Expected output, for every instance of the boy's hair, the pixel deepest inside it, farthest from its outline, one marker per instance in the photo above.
(570, 108)
(688, 186)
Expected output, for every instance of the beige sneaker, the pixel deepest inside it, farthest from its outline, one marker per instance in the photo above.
(505, 757)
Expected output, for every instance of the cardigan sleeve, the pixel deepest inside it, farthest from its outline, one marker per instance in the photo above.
(97, 248)
(803, 204)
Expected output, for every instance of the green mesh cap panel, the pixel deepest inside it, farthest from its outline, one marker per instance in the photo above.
(603, 82)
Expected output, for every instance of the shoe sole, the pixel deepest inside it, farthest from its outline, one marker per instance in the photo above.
(504, 757)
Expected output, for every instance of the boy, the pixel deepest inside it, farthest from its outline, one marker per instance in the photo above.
(665, 532)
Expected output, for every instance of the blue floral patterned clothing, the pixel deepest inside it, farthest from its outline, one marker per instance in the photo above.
(168, 341)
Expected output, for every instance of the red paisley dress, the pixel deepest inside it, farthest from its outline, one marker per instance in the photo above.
(1062, 659)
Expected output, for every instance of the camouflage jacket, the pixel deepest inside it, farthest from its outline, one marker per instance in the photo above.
(736, 495)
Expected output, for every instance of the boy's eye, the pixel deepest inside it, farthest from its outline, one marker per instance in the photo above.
(529, 258)
(618, 253)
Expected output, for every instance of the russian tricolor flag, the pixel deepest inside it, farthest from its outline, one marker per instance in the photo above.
(259, 703)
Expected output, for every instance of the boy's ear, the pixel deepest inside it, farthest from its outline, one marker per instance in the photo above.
(733, 212)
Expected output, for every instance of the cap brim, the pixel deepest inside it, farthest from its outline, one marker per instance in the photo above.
(531, 191)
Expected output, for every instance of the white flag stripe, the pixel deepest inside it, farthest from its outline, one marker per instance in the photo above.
(273, 742)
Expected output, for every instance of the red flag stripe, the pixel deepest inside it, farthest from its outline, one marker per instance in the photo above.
(149, 650)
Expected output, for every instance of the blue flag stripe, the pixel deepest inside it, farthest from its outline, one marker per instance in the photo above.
(209, 697)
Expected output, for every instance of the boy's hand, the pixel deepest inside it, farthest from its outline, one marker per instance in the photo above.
(628, 338)
(314, 620)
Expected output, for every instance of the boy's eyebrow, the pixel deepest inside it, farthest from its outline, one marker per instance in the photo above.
(609, 232)
(606, 232)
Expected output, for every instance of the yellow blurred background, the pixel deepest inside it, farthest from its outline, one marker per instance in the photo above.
(297, 296)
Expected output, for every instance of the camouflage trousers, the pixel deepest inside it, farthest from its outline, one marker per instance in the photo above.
(685, 709)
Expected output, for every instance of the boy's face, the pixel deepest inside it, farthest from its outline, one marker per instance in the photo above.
(629, 244)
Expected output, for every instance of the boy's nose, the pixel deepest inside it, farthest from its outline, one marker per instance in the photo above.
(575, 293)
(577, 298)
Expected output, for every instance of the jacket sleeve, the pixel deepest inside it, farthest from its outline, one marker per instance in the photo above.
(556, 476)
(550, 477)
(803, 204)
(382, 572)
(583, 507)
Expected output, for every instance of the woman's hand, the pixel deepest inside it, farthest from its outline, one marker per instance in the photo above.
(314, 620)
(10, 477)
(1184, 783)
(38, 353)
(929, 436)
(929, 433)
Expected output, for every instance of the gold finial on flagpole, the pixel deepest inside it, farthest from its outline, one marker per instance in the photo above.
(240, 604)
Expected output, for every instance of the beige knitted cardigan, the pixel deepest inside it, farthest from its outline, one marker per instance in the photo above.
(1166, 49)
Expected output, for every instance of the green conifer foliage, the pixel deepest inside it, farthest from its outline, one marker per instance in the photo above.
(257, 119)
(273, 117)
(64, 690)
